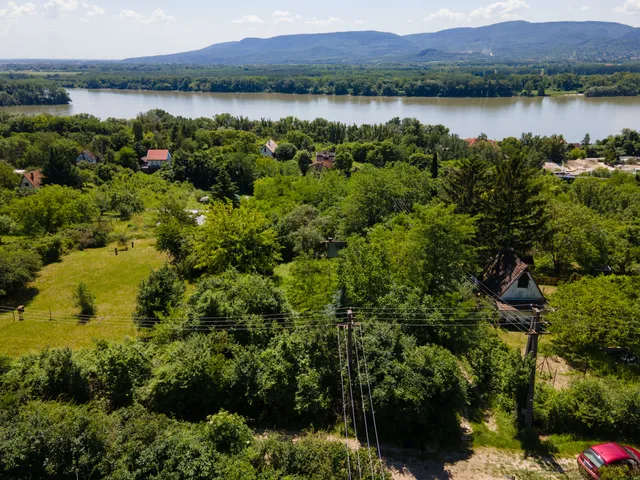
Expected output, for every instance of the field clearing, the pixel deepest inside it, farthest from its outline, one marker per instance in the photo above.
(113, 279)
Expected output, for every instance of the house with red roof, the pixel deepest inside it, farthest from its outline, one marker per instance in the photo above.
(32, 179)
(155, 159)
(324, 161)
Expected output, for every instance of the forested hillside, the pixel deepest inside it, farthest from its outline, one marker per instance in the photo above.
(241, 367)
(508, 41)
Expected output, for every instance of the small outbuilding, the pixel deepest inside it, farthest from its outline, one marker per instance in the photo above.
(324, 161)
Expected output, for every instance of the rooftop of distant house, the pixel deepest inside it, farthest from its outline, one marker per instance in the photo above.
(157, 155)
(505, 269)
(90, 154)
(34, 177)
(475, 140)
(325, 156)
(271, 146)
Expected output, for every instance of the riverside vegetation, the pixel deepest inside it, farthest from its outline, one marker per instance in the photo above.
(419, 210)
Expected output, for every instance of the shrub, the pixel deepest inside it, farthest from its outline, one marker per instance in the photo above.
(50, 249)
(157, 294)
(17, 268)
(84, 299)
(286, 151)
(190, 378)
(117, 370)
(52, 440)
(228, 432)
(51, 374)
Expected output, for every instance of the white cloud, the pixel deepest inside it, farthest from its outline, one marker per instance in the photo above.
(158, 16)
(14, 10)
(445, 14)
(93, 10)
(585, 8)
(504, 9)
(328, 21)
(282, 17)
(358, 22)
(64, 5)
(630, 7)
(254, 19)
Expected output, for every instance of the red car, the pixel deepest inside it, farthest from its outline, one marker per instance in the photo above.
(608, 454)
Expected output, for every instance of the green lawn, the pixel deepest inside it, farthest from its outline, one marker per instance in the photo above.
(113, 279)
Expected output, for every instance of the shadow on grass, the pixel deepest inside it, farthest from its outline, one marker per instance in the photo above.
(84, 319)
(21, 297)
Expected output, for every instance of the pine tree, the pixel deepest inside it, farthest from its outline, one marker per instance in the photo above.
(434, 165)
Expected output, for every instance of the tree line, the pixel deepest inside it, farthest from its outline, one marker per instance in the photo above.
(31, 92)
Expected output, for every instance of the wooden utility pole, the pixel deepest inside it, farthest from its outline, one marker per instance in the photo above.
(349, 338)
(532, 352)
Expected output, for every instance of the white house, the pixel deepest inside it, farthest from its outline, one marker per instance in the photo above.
(511, 284)
(31, 179)
(86, 156)
(156, 159)
(269, 149)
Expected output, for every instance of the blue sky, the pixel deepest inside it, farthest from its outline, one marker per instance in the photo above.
(118, 29)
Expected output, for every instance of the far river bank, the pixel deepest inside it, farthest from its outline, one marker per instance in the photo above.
(570, 115)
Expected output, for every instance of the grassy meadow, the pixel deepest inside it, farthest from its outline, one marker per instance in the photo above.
(113, 279)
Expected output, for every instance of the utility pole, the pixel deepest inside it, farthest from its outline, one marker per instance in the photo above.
(349, 338)
(532, 352)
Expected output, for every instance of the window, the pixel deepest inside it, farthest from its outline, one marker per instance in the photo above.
(593, 457)
(523, 281)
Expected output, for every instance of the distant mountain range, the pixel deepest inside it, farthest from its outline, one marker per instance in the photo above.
(508, 41)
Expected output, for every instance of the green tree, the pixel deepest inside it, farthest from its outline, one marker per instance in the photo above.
(303, 159)
(8, 179)
(465, 184)
(514, 210)
(17, 268)
(586, 141)
(127, 157)
(157, 295)
(84, 299)
(53, 208)
(593, 314)
(434, 165)
(286, 151)
(344, 161)
(60, 168)
(6, 226)
(238, 238)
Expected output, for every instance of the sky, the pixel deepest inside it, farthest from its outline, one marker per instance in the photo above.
(115, 29)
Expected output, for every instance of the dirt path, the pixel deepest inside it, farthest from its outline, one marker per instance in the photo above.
(481, 464)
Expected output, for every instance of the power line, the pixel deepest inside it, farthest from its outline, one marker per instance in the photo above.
(344, 405)
(353, 411)
(364, 411)
(373, 412)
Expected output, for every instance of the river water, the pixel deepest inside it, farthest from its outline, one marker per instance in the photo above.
(572, 116)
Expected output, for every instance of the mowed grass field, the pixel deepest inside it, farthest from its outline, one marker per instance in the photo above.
(114, 280)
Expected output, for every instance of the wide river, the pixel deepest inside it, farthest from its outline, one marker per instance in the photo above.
(572, 116)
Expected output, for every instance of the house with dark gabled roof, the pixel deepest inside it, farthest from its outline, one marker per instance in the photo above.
(87, 156)
(269, 149)
(324, 161)
(511, 284)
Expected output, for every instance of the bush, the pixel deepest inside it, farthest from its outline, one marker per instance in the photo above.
(286, 151)
(88, 236)
(84, 300)
(51, 374)
(117, 370)
(50, 249)
(160, 292)
(228, 432)
(190, 379)
(17, 268)
(52, 440)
